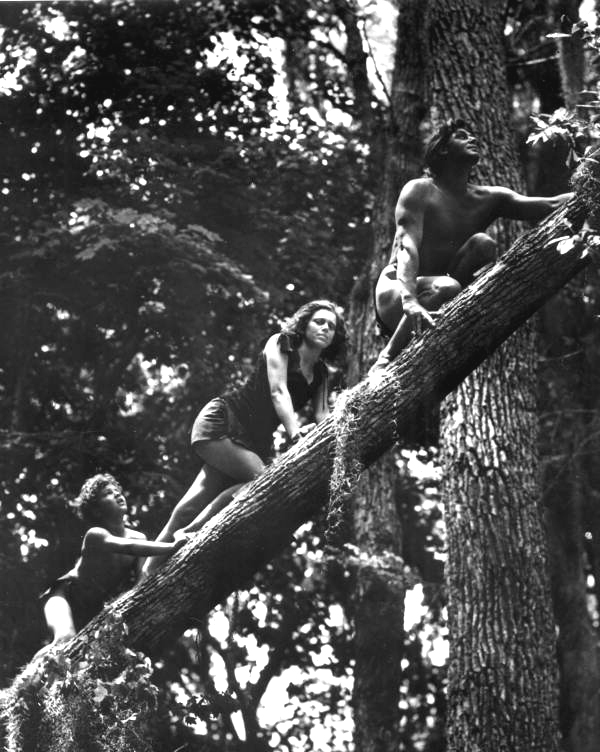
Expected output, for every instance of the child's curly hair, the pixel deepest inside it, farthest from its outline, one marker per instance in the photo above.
(296, 325)
(90, 490)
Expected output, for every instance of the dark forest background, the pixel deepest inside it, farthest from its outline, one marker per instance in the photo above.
(176, 178)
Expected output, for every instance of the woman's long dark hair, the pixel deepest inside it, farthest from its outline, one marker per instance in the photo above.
(295, 327)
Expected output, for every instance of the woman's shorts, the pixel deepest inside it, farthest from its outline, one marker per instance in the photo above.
(217, 421)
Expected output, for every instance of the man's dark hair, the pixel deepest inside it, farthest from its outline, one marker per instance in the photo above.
(434, 159)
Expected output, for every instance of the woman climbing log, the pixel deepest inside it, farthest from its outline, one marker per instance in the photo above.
(233, 434)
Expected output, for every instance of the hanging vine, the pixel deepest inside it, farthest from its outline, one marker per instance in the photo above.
(346, 470)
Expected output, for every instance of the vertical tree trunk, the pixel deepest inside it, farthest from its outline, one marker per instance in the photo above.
(379, 597)
(566, 479)
(571, 62)
(502, 684)
(577, 640)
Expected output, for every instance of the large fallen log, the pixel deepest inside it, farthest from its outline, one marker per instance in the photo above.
(260, 522)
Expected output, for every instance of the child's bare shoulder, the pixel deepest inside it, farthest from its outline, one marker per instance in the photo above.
(94, 538)
(134, 534)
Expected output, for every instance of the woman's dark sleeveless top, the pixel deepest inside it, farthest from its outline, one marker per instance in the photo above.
(252, 405)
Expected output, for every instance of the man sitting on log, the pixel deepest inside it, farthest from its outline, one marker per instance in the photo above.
(440, 244)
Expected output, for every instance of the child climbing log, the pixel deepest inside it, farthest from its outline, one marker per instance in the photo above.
(110, 558)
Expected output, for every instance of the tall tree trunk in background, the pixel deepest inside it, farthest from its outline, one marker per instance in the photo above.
(577, 639)
(567, 478)
(571, 400)
(593, 503)
(378, 602)
(502, 673)
(571, 62)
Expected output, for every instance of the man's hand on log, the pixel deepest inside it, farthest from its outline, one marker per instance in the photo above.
(420, 318)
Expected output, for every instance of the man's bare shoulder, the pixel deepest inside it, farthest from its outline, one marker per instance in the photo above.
(414, 197)
(417, 189)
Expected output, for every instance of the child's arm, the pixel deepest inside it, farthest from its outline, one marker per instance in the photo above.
(99, 538)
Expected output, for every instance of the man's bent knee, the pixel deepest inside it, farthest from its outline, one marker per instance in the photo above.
(442, 290)
(479, 251)
(486, 247)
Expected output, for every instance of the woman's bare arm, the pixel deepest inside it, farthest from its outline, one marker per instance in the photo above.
(277, 365)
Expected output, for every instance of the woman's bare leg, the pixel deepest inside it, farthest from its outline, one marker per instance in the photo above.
(226, 462)
(237, 462)
(209, 511)
(208, 483)
(231, 459)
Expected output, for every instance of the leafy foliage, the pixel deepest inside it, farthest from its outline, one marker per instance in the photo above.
(169, 215)
(164, 203)
(158, 211)
(83, 705)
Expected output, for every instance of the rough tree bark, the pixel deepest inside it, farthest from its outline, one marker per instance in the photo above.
(378, 600)
(501, 679)
(577, 640)
(571, 62)
(260, 521)
(567, 476)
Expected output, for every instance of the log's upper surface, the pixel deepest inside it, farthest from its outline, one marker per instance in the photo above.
(262, 519)
(260, 522)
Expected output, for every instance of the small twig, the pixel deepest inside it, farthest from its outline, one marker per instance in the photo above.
(363, 30)
(535, 61)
